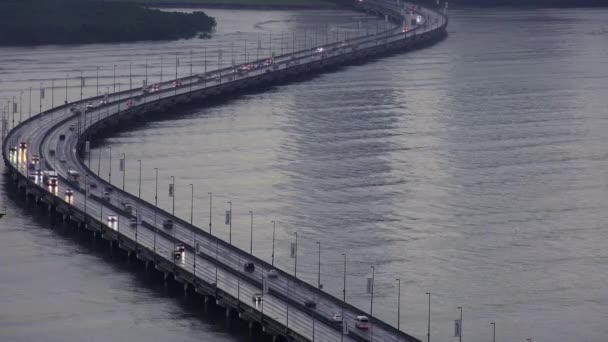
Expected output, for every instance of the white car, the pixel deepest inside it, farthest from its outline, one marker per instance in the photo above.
(112, 218)
(272, 274)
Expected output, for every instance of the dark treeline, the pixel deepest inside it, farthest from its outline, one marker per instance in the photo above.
(32, 22)
(519, 3)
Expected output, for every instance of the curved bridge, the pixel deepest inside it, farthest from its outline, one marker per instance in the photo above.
(54, 141)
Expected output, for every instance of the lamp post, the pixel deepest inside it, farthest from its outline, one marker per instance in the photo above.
(230, 223)
(319, 269)
(110, 168)
(398, 303)
(493, 324)
(210, 210)
(192, 204)
(124, 170)
(343, 301)
(371, 303)
(139, 192)
(173, 195)
(155, 205)
(460, 332)
(428, 332)
(251, 234)
(295, 267)
(273, 231)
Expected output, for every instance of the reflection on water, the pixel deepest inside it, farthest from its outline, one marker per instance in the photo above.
(474, 169)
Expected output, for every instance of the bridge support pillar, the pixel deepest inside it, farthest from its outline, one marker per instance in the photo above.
(166, 276)
(250, 327)
(185, 289)
(227, 313)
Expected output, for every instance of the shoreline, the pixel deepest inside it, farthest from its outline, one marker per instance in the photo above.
(186, 4)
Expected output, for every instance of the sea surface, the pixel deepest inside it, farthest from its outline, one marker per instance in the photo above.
(475, 169)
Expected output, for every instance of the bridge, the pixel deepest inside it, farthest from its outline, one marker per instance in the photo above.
(273, 302)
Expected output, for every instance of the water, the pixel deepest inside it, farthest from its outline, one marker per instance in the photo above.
(472, 169)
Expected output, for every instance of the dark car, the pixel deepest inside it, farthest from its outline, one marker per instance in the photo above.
(168, 224)
(62, 137)
(310, 304)
(249, 267)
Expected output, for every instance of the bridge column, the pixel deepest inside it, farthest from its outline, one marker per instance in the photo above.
(250, 326)
(185, 289)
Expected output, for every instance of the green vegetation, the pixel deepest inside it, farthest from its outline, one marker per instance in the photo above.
(32, 22)
(237, 3)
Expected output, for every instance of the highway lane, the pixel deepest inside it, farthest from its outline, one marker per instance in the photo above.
(37, 136)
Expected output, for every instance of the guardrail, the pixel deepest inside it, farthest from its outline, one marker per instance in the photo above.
(387, 40)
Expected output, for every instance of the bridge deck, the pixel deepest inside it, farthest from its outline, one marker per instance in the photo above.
(216, 268)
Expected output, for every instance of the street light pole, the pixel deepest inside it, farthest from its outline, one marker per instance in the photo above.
(230, 224)
(371, 303)
(251, 234)
(398, 303)
(273, 231)
(210, 208)
(155, 205)
(343, 301)
(110, 169)
(173, 207)
(124, 170)
(139, 192)
(319, 269)
(192, 204)
(295, 268)
(460, 332)
(493, 324)
(428, 332)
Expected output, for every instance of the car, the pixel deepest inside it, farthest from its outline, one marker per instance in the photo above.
(109, 189)
(272, 274)
(31, 165)
(168, 224)
(127, 207)
(112, 218)
(69, 192)
(133, 222)
(92, 185)
(309, 303)
(72, 127)
(106, 196)
(178, 251)
(249, 267)
(23, 145)
(52, 152)
(89, 105)
(62, 137)
(73, 109)
(257, 298)
(12, 149)
(35, 159)
(337, 318)
(176, 84)
(362, 322)
(63, 159)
